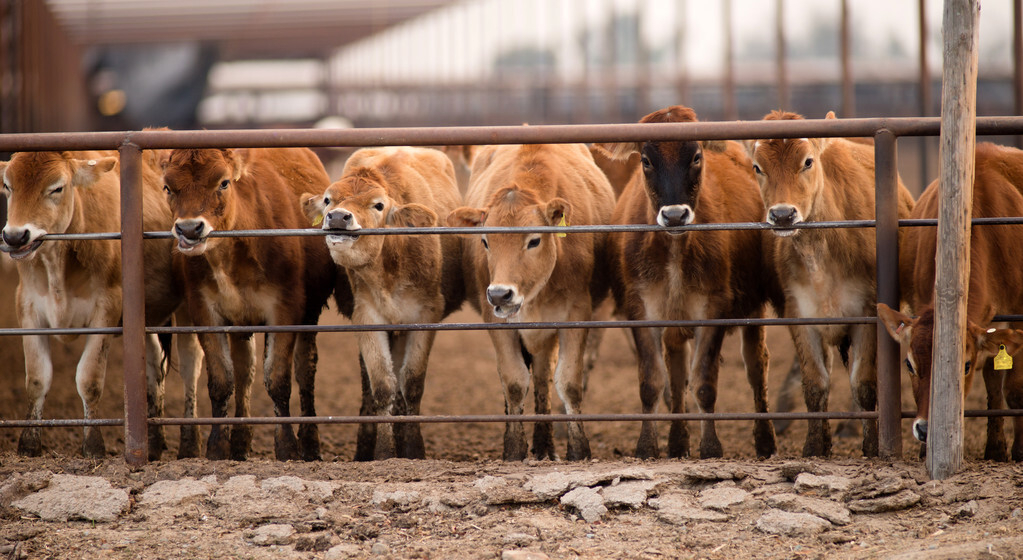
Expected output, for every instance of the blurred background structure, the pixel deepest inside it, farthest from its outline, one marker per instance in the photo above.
(70, 65)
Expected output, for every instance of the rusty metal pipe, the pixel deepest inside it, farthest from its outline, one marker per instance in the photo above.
(134, 307)
(889, 387)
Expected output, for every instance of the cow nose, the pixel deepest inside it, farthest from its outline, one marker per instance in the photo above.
(920, 430)
(676, 215)
(189, 229)
(339, 219)
(782, 215)
(500, 295)
(15, 237)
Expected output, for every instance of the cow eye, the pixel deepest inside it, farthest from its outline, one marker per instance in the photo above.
(166, 189)
(646, 162)
(57, 190)
(909, 366)
(757, 170)
(485, 245)
(224, 184)
(379, 207)
(697, 158)
(808, 163)
(967, 370)
(533, 243)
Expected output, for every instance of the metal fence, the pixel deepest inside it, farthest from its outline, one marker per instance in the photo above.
(884, 131)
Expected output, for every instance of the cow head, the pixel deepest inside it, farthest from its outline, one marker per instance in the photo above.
(360, 200)
(40, 190)
(673, 171)
(918, 334)
(200, 188)
(519, 264)
(790, 175)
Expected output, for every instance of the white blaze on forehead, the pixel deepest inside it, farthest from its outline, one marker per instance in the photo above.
(756, 145)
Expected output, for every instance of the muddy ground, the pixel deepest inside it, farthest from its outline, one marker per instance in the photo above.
(446, 506)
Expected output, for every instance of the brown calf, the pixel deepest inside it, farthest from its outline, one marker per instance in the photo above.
(677, 275)
(252, 280)
(995, 286)
(825, 272)
(395, 279)
(77, 283)
(536, 276)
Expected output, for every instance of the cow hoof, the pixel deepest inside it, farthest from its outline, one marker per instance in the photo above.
(543, 441)
(647, 449)
(30, 445)
(241, 442)
(514, 450)
(157, 442)
(678, 440)
(997, 452)
(816, 450)
(189, 444)
(309, 442)
(365, 442)
(710, 449)
(578, 450)
(94, 447)
(764, 439)
(218, 446)
(285, 444)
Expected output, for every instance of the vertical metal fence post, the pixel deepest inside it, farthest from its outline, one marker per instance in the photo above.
(889, 387)
(133, 310)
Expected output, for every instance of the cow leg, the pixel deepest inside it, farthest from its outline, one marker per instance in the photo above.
(243, 363)
(92, 369)
(786, 401)
(569, 379)
(996, 448)
(706, 362)
(652, 374)
(757, 360)
(366, 438)
(412, 378)
(189, 366)
(220, 384)
(815, 363)
(156, 374)
(515, 381)
(676, 357)
(277, 364)
(863, 380)
(306, 357)
(375, 350)
(1014, 395)
(544, 365)
(38, 377)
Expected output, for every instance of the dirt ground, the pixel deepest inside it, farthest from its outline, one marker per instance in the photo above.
(462, 380)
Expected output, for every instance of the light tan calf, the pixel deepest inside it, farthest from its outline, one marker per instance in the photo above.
(395, 279)
(73, 284)
(537, 276)
(825, 272)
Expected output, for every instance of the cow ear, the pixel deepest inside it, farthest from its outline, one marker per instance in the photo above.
(898, 325)
(557, 211)
(466, 217)
(714, 145)
(238, 159)
(85, 172)
(411, 215)
(3, 167)
(618, 150)
(988, 341)
(751, 147)
(313, 207)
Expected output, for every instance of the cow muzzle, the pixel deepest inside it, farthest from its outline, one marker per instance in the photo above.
(191, 235)
(675, 215)
(784, 215)
(920, 430)
(19, 242)
(505, 299)
(340, 220)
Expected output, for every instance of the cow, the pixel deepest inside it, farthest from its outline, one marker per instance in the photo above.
(679, 275)
(77, 283)
(394, 279)
(994, 287)
(825, 272)
(527, 277)
(252, 281)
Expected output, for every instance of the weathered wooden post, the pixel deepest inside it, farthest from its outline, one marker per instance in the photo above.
(960, 23)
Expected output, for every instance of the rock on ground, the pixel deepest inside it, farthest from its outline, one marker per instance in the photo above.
(779, 522)
(76, 497)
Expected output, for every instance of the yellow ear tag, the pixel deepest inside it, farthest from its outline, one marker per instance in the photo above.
(1003, 360)
(563, 223)
(318, 220)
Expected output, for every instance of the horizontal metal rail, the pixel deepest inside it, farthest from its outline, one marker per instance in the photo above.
(488, 418)
(544, 134)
